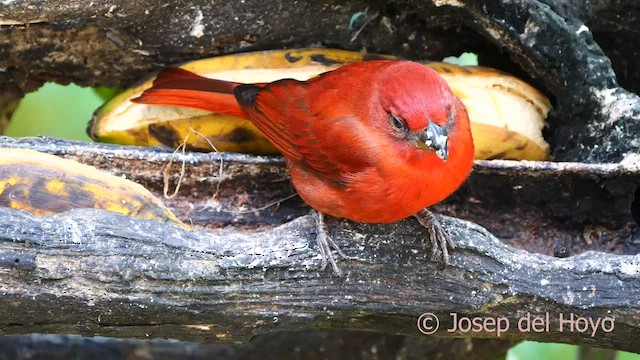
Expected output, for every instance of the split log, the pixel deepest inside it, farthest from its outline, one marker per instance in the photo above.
(563, 47)
(110, 275)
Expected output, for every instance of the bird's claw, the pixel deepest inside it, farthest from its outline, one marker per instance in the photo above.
(440, 240)
(326, 245)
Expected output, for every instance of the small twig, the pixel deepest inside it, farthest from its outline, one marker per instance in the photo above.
(215, 150)
(367, 19)
(182, 171)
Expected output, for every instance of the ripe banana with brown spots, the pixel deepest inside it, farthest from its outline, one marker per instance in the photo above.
(44, 184)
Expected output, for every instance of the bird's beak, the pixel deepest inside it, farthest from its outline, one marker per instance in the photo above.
(435, 139)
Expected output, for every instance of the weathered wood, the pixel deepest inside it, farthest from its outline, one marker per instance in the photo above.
(8, 105)
(615, 24)
(242, 272)
(317, 344)
(557, 209)
(110, 275)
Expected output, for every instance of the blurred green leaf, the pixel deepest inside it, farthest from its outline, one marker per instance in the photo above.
(56, 110)
(623, 355)
(530, 350)
(107, 93)
(465, 59)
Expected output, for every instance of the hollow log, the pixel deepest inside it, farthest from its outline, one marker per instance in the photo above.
(250, 266)
(111, 275)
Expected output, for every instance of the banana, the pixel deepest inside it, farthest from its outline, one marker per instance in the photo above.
(507, 115)
(45, 184)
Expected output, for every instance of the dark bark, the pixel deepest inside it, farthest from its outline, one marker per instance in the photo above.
(615, 25)
(8, 105)
(309, 345)
(595, 120)
(110, 275)
(97, 273)
(115, 43)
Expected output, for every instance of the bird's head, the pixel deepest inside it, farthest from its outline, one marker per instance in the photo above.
(418, 109)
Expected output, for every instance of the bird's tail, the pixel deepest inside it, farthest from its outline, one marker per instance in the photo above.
(178, 87)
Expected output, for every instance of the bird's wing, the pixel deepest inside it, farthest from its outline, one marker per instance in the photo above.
(304, 133)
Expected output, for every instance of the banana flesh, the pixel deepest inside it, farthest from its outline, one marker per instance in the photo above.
(507, 115)
(44, 184)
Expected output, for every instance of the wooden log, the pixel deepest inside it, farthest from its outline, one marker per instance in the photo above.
(110, 275)
(317, 344)
(543, 208)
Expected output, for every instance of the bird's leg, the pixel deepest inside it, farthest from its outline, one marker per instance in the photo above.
(326, 244)
(440, 241)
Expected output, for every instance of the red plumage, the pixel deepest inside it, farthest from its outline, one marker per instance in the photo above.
(179, 87)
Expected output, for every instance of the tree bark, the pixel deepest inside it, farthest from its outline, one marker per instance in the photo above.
(8, 105)
(317, 344)
(111, 275)
(251, 269)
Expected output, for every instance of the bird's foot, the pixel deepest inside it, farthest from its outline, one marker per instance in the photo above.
(441, 242)
(326, 245)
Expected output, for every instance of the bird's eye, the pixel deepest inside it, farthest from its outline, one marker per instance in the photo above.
(397, 124)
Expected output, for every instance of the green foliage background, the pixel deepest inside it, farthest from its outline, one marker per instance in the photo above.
(58, 111)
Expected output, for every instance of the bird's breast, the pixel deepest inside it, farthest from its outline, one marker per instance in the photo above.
(374, 195)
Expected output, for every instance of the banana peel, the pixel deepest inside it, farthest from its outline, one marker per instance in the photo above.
(44, 184)
(507, 115)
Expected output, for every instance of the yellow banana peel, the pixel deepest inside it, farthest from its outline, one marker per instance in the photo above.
(507, 115)
(45, 184)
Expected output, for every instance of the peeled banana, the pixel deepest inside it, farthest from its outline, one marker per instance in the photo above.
(45, 184)
(507, 115)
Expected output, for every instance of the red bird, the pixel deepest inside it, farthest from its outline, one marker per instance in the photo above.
(374, 142)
